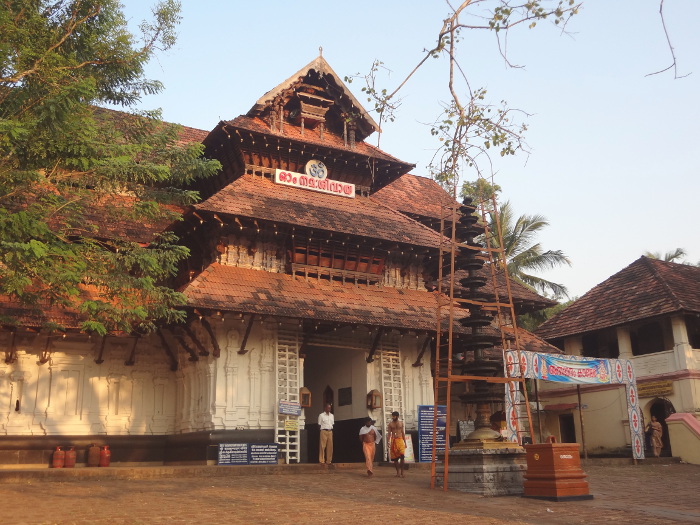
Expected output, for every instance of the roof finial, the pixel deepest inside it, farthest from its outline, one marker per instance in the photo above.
(320, 51)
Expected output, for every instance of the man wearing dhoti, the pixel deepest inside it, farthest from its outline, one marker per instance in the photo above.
(397, 441)
(369, 436)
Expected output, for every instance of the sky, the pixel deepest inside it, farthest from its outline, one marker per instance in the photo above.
(612, 152)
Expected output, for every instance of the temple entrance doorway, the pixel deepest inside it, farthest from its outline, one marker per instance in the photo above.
(662, 408)
(337, 376)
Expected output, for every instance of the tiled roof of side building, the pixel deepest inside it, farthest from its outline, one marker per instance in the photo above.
(260, 292)
(189, 135)
(259, 198)
(644, 289)
(329, 140)
(413, 194)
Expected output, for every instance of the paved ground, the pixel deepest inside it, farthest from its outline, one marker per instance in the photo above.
(643, 494)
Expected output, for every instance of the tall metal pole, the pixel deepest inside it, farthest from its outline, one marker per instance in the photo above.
(580, 415)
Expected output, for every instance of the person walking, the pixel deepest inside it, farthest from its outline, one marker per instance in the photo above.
(369, 436)
(397, 443)
(656, 432)
(325, 441)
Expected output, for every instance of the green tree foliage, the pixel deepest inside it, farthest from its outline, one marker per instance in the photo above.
(73, 175)
(677, 256)
(522, 253)
(481, 191)
(531, 321)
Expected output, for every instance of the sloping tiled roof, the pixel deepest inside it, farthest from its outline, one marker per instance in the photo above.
(412, 194)
(266, 293)
(646, 288)
(39, 316)
(260, 198)
(531, 342)
(330, 140)
(188, 135)
(111, 226)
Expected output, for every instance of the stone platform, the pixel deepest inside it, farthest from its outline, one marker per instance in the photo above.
(489, 472)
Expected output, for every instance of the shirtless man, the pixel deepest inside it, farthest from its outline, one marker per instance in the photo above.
(397, 443)
(369, 437)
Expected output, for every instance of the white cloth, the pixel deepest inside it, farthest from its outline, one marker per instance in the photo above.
(326, 421)
(365, 430)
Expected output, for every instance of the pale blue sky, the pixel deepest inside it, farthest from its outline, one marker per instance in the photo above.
(613, 164)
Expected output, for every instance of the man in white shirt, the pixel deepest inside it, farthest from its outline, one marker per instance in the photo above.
(325, 442)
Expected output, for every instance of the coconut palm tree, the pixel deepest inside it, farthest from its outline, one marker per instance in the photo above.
(522, 253)
(674, 256)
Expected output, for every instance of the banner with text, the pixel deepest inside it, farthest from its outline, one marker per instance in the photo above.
(425, 431)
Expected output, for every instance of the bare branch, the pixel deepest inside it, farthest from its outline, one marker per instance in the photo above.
(674, 63)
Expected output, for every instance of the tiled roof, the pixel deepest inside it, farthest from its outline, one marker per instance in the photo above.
(111, 227)
(330, 140)
(644, 289)
(260, 198)
(188, 135)
(40, 316)
(531, 342)
(256, 291)
(412, 194)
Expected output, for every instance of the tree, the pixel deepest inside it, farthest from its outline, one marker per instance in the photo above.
(470, 128)
(676, 256)
(522, 254)
(73, 176)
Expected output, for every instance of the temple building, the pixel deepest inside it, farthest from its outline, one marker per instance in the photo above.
(311, 280)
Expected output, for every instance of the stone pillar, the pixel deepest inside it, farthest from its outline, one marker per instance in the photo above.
(624, 342)
(684, 352)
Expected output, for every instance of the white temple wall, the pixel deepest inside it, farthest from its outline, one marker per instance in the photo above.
(70, 394)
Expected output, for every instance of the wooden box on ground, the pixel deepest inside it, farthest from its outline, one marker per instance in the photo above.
(554, 472)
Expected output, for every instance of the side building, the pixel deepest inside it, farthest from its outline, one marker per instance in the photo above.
(649, 313)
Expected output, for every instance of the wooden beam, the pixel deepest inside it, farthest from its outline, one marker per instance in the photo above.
(177, 334)
(11, 354)
(422, 351)
(212, 336)
(173, 358)
(375, 344)
(243, 349)
(131, 361)
(202, 351)
(99, 359)
(45, 354)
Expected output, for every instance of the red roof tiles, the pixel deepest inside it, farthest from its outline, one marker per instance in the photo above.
(266, 293)
(412, 194)
(646, 288)
(260, 198)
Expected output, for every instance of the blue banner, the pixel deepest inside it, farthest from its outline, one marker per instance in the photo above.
(554, 368)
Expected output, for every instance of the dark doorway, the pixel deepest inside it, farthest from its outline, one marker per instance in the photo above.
(567, 429)
(662, 408)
